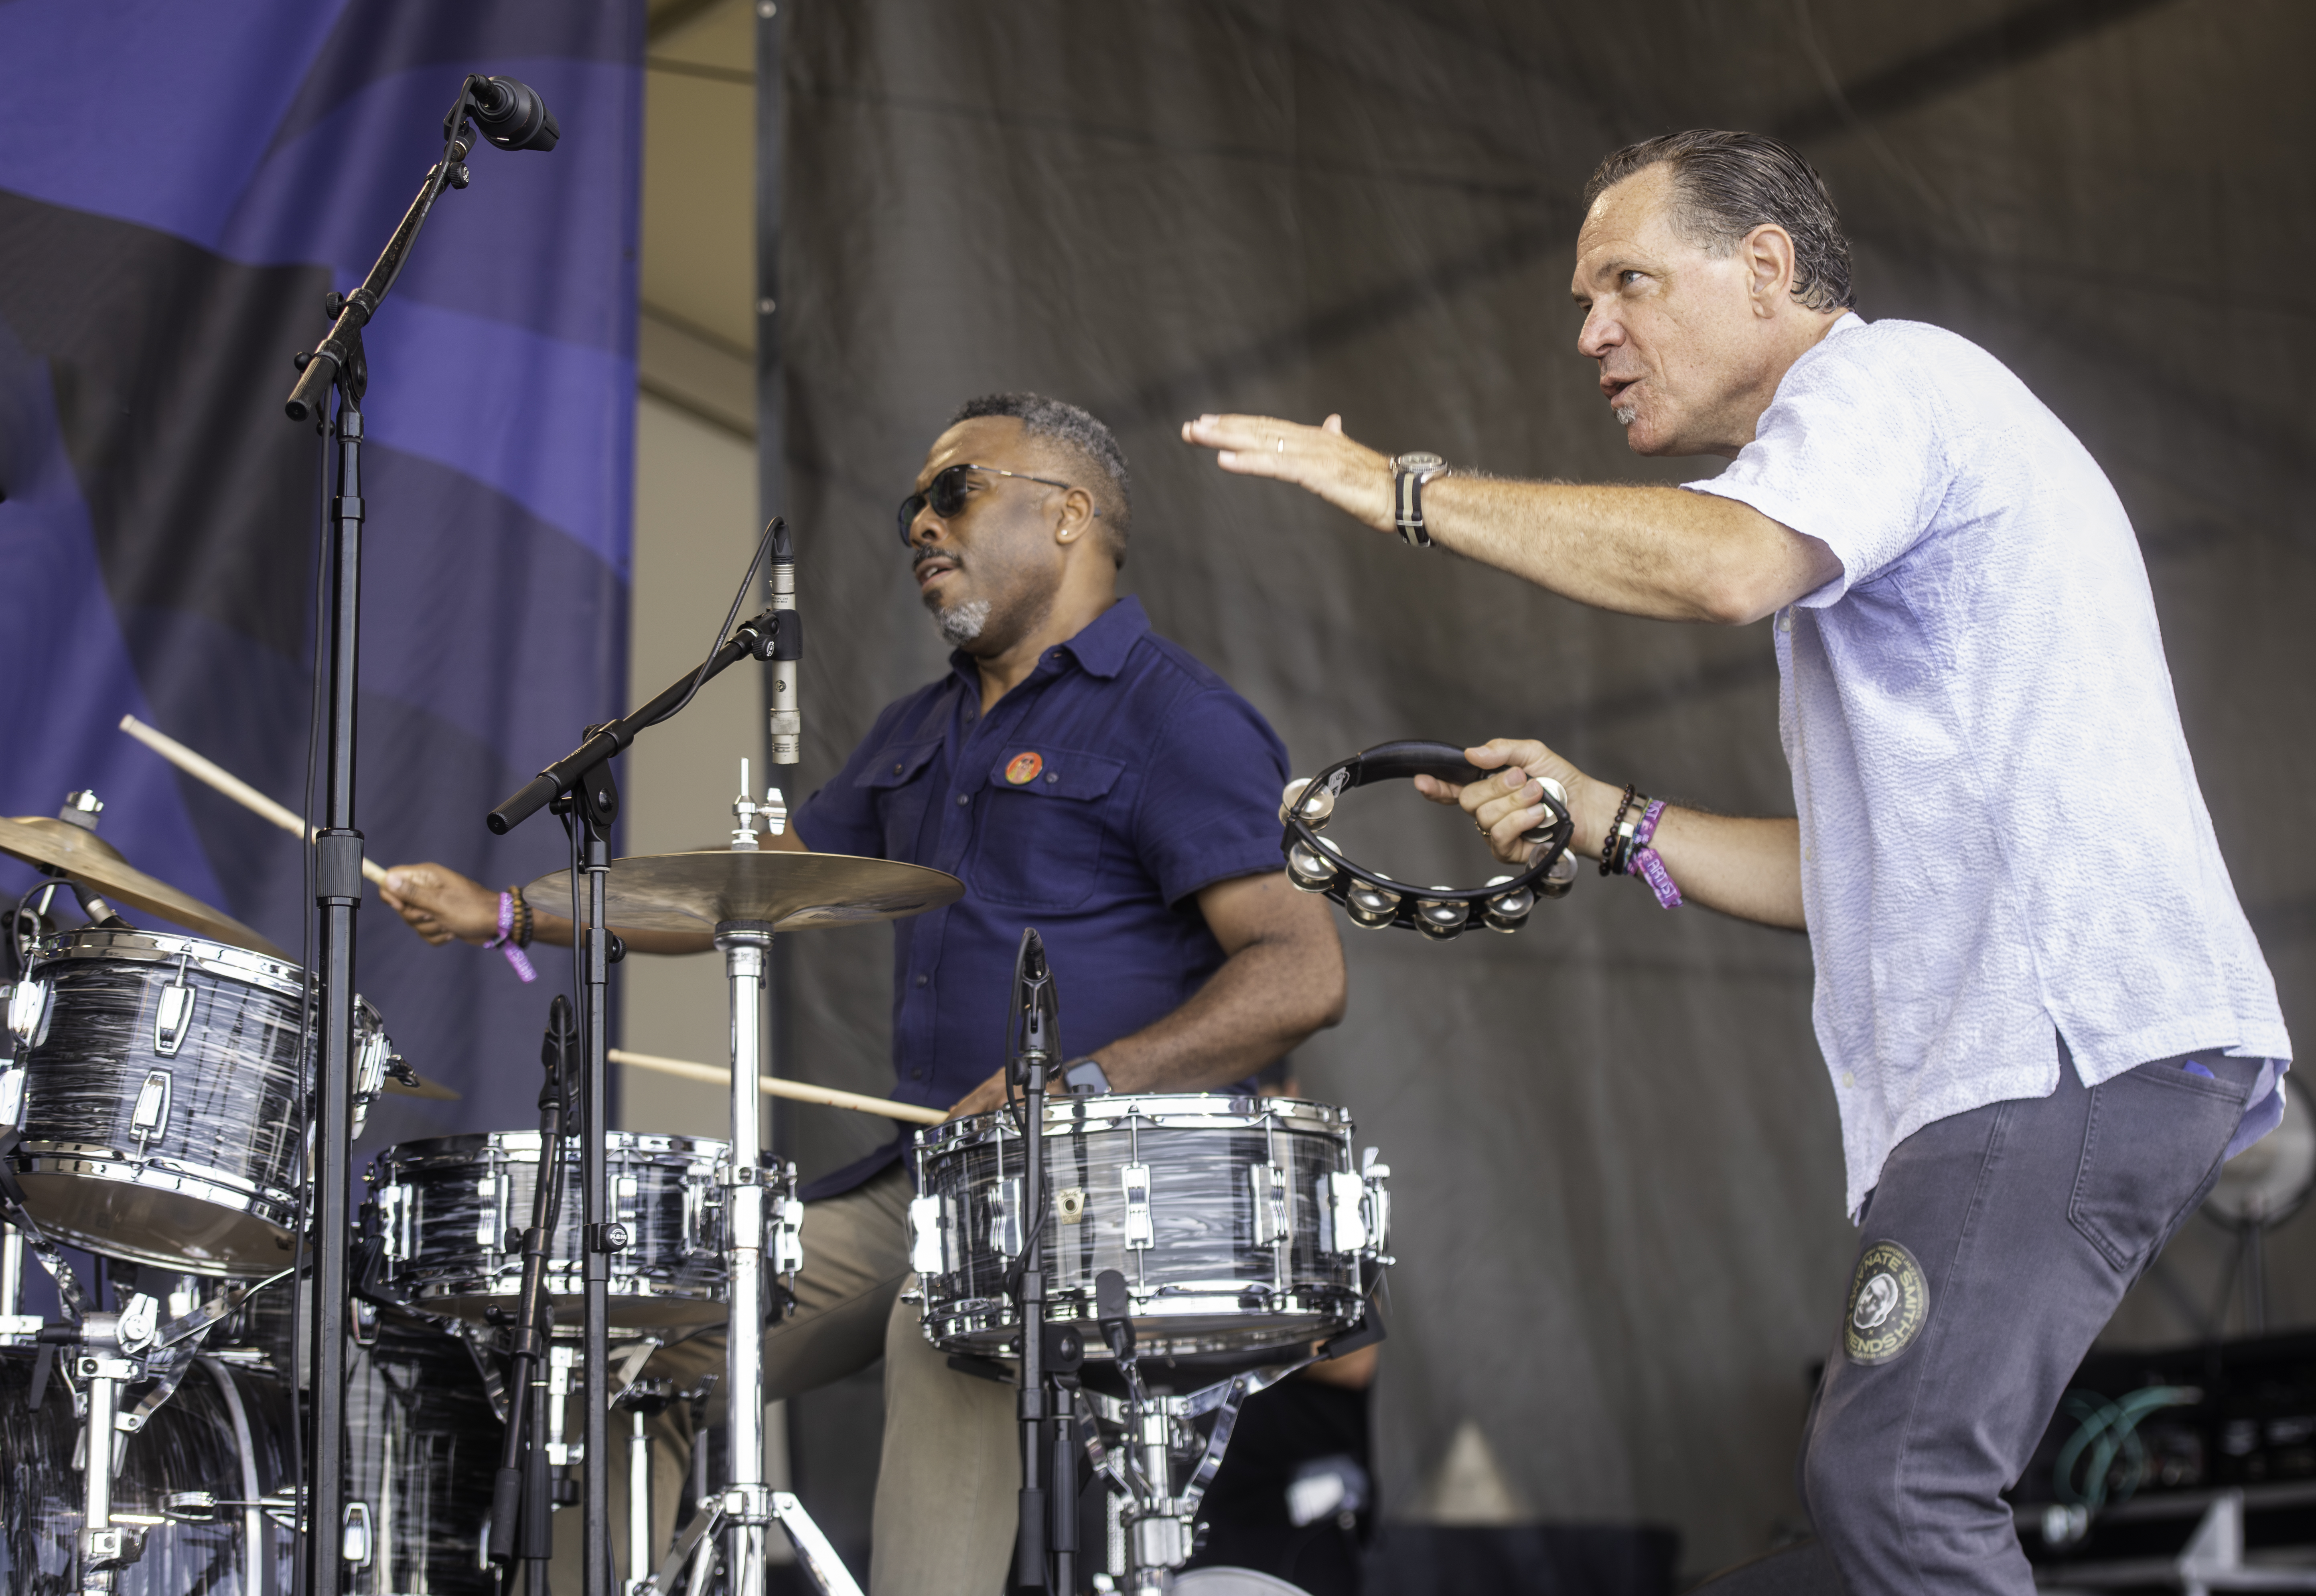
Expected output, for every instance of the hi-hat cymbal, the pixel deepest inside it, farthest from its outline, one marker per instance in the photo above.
(98, 865)
(791, 891)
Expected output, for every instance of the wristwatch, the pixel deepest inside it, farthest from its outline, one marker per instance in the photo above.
(1409, 473)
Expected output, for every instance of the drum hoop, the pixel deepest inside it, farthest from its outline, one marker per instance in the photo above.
(159, 947)
(216, 1187)
(1165, 1110)
(679, 1153)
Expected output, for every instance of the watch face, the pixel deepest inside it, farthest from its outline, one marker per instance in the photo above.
(1421, 461)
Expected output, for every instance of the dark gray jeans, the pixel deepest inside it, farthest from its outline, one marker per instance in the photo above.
(1994, 1248)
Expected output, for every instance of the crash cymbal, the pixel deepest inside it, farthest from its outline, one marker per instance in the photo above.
(98, 865)
(792, 891)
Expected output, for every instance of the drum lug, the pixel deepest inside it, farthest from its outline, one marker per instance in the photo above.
(490, 1228)
(1376, 1177)
(1005, 1217)
(150, 1120)
(173, 1014)
(788, 1244)
(12, 1097)
(1274, 1226)
(29, 1007)
(354, 1541)
(1343, 1207)
(1134, 1180)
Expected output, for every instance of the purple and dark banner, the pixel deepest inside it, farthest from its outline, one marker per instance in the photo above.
(179, 188)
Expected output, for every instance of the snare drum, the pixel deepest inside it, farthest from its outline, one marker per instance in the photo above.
(157, 1088)
(1240, 1223)
(449, 1216)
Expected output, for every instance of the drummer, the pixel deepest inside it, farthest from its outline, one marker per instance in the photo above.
(1079, 773)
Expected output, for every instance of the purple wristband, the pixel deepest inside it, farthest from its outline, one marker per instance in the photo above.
(515, 955)
(1648, 863)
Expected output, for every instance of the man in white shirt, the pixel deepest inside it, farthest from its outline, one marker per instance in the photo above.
(2045, 1016)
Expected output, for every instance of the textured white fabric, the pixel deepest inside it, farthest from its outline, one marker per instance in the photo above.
(2001, 830)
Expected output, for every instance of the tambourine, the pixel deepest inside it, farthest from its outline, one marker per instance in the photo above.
(1373, 899)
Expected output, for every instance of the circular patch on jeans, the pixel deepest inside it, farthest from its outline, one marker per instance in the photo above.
(1889, 1304)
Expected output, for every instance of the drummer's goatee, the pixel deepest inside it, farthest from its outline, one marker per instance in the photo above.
(961, 623)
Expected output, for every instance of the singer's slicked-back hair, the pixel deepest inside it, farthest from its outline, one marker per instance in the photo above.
(1726, 184)
(1091, 447)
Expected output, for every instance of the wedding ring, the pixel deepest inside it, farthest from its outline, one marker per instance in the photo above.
(1282, 444)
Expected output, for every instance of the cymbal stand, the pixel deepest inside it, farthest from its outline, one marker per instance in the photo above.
(580, 788)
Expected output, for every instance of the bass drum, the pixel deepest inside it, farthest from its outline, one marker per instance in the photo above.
(223, 1431)
(421, 1449)
(424, 1446)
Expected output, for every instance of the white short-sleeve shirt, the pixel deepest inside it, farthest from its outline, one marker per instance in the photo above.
(2001, 830)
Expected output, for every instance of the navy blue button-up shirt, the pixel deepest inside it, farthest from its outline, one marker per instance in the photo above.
(1094, 802)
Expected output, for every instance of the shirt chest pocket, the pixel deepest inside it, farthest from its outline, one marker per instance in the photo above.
(1044, 828)
(897, 790)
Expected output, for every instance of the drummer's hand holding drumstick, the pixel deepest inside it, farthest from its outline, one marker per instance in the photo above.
(1748, 868)
(442, 905)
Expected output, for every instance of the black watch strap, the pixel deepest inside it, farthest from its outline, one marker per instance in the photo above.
(1409, 473)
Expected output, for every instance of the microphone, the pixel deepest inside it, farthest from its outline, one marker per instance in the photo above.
(513, 116)
(787, 648)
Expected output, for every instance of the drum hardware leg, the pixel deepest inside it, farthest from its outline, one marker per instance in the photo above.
(754, 1509)
(101, 1361)
(640, 1499)
(522, 1491)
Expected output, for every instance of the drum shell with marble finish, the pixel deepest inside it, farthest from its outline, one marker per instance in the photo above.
(171, 1144)
(1205, 1286)
(449, 1213)
(190, 1444)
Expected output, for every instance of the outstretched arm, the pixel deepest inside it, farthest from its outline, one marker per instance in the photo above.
(1282, 979)
(1747, 868)
(1662, 552)
(440, 905)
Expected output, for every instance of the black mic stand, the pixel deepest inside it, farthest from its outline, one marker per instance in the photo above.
(523, 1503)
(1045, 1541)
(338, 362)
(580, 788)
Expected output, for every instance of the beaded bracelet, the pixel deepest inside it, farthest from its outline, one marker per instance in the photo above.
(524, 921)
(1610, 864)
(504, 941)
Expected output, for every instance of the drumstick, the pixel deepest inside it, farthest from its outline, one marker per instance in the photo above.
(828, 1097)
(240, 792)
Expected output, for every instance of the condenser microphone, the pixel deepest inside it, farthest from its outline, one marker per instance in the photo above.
(787, 648)
(513, 116)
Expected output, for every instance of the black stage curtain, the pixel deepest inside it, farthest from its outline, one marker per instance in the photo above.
(1616, 1161)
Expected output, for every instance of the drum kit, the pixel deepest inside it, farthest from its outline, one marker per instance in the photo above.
(156, 1112)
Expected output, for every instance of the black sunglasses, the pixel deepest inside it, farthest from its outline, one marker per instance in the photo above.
(947, 495)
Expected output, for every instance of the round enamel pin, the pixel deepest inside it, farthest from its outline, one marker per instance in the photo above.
(1024, 768)
(1889, 1304)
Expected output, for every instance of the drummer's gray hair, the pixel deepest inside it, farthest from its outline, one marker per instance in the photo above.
(1726, 184)
(1080, 434)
